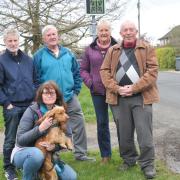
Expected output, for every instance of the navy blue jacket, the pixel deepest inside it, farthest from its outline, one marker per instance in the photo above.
(18, 80)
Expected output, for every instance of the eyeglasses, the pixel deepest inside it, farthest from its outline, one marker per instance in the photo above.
(51, 93)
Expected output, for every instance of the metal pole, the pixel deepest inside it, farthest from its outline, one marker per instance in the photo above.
(139, 24)
(93, 27)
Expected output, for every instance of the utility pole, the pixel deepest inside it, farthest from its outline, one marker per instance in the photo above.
(139, 24)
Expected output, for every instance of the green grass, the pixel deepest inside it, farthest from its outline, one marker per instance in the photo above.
(97, 171)
(87, 106)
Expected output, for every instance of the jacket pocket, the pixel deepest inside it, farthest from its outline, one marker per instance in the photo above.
(111, 98)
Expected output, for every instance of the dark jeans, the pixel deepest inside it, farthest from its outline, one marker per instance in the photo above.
(11, 119)
(103, 133)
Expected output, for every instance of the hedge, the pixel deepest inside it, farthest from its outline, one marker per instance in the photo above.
(166, 57)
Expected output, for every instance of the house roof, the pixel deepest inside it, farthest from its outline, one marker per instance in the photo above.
(175, 32)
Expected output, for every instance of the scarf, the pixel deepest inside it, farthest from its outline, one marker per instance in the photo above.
(129, 44)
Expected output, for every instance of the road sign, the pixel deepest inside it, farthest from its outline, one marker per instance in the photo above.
(95, 6)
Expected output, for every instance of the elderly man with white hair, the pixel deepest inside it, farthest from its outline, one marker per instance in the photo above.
(17, 89)
(57, 63)
(129, 73)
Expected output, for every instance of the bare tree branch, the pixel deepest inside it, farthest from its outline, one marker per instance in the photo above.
(69, 16)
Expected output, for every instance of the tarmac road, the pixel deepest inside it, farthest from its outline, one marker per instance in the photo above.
(167, 120)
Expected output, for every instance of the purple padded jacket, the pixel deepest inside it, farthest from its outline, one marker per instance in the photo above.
(92, 60)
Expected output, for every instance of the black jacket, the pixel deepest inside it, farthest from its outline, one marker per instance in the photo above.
(18, 80)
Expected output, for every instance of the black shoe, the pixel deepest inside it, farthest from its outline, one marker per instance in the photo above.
(85, 158)
(149, 172)
(10, 174)
(125, 166)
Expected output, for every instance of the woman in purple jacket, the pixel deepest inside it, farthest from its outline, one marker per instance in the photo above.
(89, 69)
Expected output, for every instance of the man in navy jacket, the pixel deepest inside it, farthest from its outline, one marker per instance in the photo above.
(17, 89)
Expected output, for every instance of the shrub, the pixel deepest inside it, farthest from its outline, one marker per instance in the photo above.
(166, 57)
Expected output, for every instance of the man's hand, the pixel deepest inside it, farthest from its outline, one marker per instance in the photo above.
(10, 106)
(125, 90)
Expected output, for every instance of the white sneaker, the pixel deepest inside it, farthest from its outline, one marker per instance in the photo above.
(10, 174)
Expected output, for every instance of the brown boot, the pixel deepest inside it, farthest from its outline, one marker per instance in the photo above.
(105, 160)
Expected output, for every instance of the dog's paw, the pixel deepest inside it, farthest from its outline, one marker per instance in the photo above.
(63, 146)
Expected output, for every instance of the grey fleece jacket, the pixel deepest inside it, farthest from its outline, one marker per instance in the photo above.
(28, 132)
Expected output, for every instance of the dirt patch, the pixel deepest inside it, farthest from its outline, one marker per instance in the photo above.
(172, 149)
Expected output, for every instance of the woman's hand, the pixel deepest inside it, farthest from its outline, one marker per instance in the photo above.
(45, 124)
(47, 145)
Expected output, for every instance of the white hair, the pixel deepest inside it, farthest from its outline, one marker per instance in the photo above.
(10, 30)
(127, 22)
(47, 28)
(103, 22)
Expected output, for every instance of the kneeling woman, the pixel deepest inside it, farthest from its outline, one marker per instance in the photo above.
(25, 156)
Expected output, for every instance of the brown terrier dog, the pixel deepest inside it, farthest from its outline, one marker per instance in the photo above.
(55, 135)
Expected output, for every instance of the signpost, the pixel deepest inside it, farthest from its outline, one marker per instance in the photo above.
(95, 7)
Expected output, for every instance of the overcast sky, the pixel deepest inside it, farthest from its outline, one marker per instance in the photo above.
(157, 17)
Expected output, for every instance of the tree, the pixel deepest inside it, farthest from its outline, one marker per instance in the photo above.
(69, 16)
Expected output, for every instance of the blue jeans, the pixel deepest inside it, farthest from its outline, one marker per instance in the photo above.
(68, 173)
(103, 133)
(11, 119)
(31, 159)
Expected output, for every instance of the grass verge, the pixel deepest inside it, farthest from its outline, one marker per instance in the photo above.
(97, 171)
